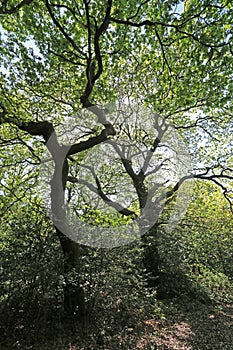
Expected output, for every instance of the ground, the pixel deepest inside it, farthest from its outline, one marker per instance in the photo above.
(191, 327)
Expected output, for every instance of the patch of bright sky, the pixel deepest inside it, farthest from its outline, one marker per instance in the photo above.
(179, 9)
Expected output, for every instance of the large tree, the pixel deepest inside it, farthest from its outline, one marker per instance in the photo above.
(111, 58)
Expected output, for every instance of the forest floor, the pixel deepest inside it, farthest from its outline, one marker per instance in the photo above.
(193, 326)
(183, 325)
(179, 323)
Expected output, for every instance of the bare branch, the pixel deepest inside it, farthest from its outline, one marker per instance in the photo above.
(98, 190)
(126, 162)
(161, 129)
(216, 178)
(90, 68)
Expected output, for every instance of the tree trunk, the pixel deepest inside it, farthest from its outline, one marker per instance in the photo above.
(74, 301)
(151, 259)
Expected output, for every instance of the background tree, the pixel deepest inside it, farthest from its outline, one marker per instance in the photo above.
(200, 245)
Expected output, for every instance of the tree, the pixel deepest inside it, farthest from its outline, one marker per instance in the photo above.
(172, 57)
(201, 245)
(211, 227)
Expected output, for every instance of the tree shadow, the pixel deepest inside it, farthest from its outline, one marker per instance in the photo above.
(191, 319)
(196, 326)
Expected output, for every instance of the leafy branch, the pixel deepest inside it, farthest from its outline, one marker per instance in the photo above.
(9, 11)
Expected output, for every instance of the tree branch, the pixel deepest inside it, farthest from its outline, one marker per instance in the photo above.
(13, 9)
(98, 190)
(204, 176)
(126, 162)
(44, 129)
(161, 129)
(91, 142)
(168, 25)
(92, 77)
(61, 29)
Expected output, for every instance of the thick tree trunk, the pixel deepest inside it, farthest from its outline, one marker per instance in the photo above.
(73, 292)
(151, 258)
(74, 301)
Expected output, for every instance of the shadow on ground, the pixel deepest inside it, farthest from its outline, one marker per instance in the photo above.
(185, 319)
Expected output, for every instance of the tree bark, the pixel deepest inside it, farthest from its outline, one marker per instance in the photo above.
(74, 301)
(151, 258)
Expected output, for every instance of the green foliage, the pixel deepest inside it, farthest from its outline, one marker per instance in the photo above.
(201, 244)
(31, 272)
